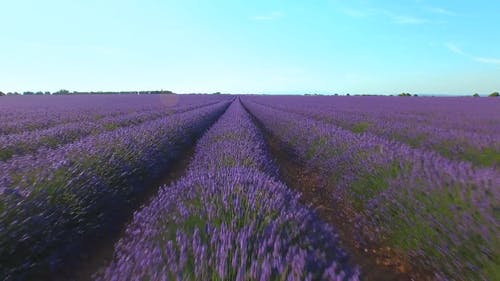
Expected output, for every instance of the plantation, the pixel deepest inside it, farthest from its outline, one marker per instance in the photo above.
(274, 188)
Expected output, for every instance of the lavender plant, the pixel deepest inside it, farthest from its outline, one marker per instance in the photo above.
(458, 128)
(443, 213)
(53, 137)
(53, 201)
(20, 114)
(229, 218)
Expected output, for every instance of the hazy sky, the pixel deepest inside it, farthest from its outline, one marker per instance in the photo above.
(260, 46)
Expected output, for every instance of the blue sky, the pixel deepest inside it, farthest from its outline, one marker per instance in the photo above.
(260, 46)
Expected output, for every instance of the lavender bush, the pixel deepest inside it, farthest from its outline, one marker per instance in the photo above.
(228, 219)
(442, 213)
(56, 199)
(20, 114)
(53, 137)
(458, 128)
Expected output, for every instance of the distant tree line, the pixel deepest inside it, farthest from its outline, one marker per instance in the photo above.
(348, 95)
(161, 92)
(363, 95)
(28, 93)
(494, 94)
(165, 92)
(66, 92)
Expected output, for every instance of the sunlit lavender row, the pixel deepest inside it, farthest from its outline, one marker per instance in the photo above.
(229, 218)
(443, 214)
(464, 129)
(53, 201)
(30, 141)
(21, 114)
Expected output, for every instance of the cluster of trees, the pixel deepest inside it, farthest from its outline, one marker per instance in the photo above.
(492, 95)
(407, 95)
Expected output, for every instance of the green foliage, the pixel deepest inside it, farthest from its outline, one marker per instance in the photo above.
(369, 185)
(416, 231)
(417, 141)
(317, 146)
(494, 95)
(228, 161)
(110, 126)
(50, 141)
(486, 157)
(5, 154)
(476, 95)
(61, 92)
(361, 127)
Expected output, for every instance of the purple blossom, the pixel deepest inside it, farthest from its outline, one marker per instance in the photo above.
(252, 226)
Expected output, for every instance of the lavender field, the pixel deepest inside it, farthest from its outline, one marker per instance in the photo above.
(93, 187)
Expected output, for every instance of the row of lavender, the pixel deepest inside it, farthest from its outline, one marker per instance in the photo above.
(458, 128)
(20, 114)
(464, 114)
(229, 218)
(30, 141)
(55, 200)
(444, 214)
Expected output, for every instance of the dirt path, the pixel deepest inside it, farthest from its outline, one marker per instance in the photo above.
(377, 262)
